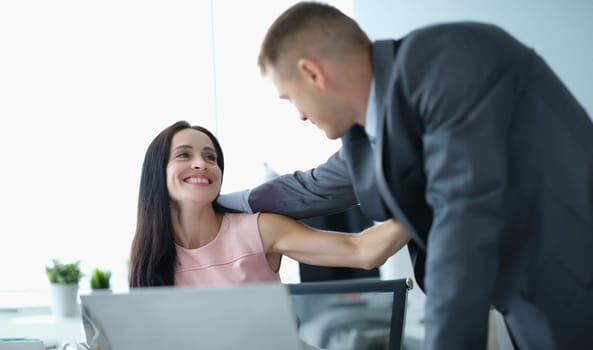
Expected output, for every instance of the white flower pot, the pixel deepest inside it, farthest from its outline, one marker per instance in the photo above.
(64, 299)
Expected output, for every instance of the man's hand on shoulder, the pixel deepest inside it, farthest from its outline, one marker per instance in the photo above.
(235, 202)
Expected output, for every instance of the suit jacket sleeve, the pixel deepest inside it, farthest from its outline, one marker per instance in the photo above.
(463, 81)
(326, 189)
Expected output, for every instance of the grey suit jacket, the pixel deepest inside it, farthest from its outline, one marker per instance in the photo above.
(487, 159)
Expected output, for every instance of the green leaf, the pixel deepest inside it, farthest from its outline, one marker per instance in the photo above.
(100, 279)
(62, 273)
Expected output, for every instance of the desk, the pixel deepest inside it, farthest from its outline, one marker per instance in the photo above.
(38, 322)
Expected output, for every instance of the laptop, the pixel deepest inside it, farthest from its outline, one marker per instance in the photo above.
(248, 317)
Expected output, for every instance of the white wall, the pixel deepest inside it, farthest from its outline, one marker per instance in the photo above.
(560, 31)
(85, 86)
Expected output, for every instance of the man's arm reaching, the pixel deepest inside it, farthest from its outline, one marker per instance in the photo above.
(326, 189)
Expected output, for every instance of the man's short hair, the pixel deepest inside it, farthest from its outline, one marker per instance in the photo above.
(310, 29)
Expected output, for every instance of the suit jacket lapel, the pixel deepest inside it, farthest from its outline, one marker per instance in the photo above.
(384, 52)
(383, 55)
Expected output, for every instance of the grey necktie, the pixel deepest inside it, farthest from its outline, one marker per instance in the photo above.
(363, 171)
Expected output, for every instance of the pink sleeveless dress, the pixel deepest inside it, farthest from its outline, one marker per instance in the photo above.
(235, 256)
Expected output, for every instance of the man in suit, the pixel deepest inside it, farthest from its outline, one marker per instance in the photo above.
(468, 138)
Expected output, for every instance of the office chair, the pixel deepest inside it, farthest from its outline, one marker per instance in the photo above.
(361, 314)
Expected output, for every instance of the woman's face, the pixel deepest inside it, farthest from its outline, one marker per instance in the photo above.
(193, 176)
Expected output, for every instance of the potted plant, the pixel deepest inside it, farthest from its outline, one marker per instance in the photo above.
(64, 278)
(100, 279)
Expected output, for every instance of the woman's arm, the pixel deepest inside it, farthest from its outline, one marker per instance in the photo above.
(367, 250)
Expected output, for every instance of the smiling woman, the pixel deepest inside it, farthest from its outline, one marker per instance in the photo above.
(85, 84)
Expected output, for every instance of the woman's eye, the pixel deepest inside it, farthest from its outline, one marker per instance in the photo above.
(211, 157)
(183, 155)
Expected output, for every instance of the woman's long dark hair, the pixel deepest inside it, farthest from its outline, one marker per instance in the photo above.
(153, 256)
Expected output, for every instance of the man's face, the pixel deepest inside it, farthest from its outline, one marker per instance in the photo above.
(319, 105)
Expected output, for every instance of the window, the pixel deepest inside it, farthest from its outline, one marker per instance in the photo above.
(85, 86)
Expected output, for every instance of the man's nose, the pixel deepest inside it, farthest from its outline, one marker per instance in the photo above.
(303, 117)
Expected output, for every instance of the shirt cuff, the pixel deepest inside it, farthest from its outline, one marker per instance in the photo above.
(236, 201)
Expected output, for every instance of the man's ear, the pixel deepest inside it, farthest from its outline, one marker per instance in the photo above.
(312, 71)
